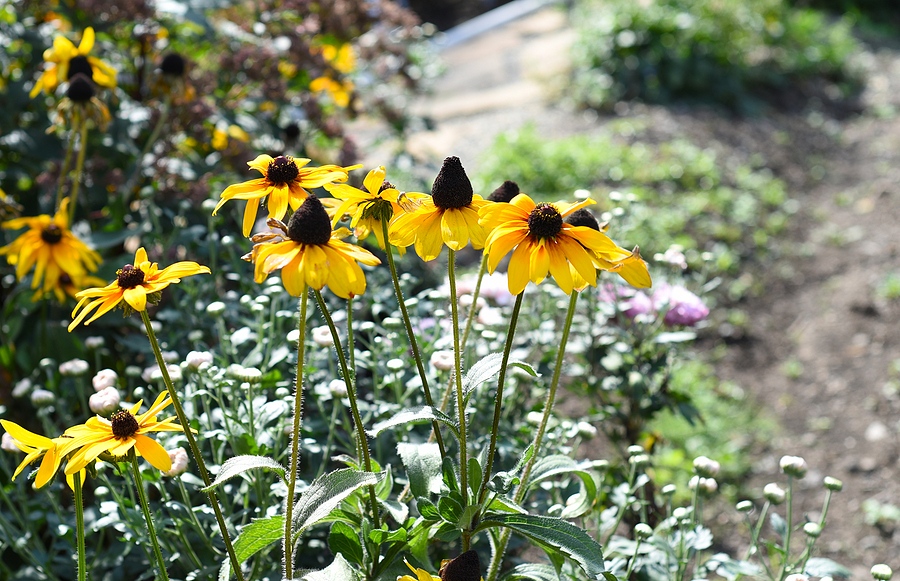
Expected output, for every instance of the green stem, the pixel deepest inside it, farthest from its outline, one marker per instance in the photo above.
(351, 344)
(329, 442)
(73, 133)
(362, 442)
(460, 397)
(787, 531)
(79, 167)
(481, 270)
(139, 163)
(79, 526)
(195, 450)
(287, 543)
(435, 426)
(637, 546)
(145, 507)
(498, 399)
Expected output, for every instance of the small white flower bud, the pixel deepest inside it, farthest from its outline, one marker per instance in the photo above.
(338, 388)
(642, 531)
(705, 467)
(395, 364)
(640, 460)
(833, 484)
(104, 401)
(249, 375)
(22, 388)
(195, 359)
(215, 308)
(42, 397)
(681, 513)
(586, 430)
(635, 450)
(443, 360)
(812, 530)
(774, 493)
(793, 466)
(94, 342)
(668, 490)
(744, 506)
(882, 572)
(133, 371)
(104, 378)
(293, 337)
(74, 367)
(179, 460)
(170, 356)
(392, 323)
(8, 443)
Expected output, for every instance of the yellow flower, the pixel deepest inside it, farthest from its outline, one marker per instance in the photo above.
(628, 265)
(133, 284)
(370, 208)
(544, 244)
(50, 247)
(68, 285)
(119, 434)
(284, 181)
(66, 61)
(465, 567)
(449, 216)
(420, 574)
(342, 59)
(36, 446)
(311, 254)
(339, 90)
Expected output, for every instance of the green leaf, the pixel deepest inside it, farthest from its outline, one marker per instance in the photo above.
(398, 510)
(557, 464)
(344, 540)
(240, 464)
(447, 532)
(822, 567)
(474, 475)
(381, 536)
(415, 415)
(556, 534)
(326, 493)
(427, 509)
(423, 467)
(532, 571)
(488, 367)
(254, 537)
(449, 472)
(778, 525)
(450, 509)
(339, 570)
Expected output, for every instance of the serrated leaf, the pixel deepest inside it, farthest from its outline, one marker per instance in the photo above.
(415, 415)
(557, 464)
(326, 493)
(254, 537)
(822, 567)
(339, 570)
(344, 540)
(423, 467)
(487, 368)
(556, 534)
(240, 464)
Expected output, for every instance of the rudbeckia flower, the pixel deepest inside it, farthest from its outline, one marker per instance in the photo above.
(449, 216)
(284, 179)
(370, 208)
(119, 434)
(68, 285)
(36, 446)
(66, 61)
(465, 567)
(628, 265)
(544, 244)
(50, 247)
(136, 283)
(311, 254)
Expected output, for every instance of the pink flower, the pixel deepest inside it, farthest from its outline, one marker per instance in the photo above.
(637, 304)
(682, 307)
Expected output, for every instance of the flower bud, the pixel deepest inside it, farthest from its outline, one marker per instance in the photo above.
(744, 506)
(392, 323)
(133, 371)
(395, 364)
(22, 388)
(668, 490)
(635, 450)
(642, 531)
(74, 367)
(640, 460)
(170, 356)
(179, 459)
(882, 572)
(104, 378)
(338, 388)
(774, 493)
(812, 529)
(586, 430)
(8, 443)
(94, 342)
(104, 401)
(42, 397)
(705, 467)
(833, 484)
(249, 375)
(681, 513)
(793, 466)
(293, 337)
(215, 308)
(706, 486)
(443, 360)
(322, 336)
(195, 359)
(797, 577)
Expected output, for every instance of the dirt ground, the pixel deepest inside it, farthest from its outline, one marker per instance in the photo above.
(819, 316)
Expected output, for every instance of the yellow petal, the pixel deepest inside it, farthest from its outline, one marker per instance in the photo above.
(153, 452)
(87, 41)
(136, 297)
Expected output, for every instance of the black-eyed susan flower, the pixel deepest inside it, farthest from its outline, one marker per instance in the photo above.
(418, 575)
(119, 434)
(449, 216)
(68, 285)
(66, 61)
(465, 567)
(50, 247)
(284, 181)
(629, 265)
(136, 284)
(544, 244)
(81, 100)
(311, 254)
(37, 447)
(368, 209)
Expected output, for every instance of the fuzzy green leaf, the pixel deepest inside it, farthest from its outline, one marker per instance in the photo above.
(326, 493)
(423, 467)
(240, 464)
(254, 537)
(414, 415)
(344, 540)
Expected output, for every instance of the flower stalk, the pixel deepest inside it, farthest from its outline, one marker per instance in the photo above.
(460, 397)
(145, 507)
(79, 167)
(287, 541)
(79, 526)
(67, 161)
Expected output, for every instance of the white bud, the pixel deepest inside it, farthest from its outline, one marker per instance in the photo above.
(392, 323)
(812, 529)
(396, 364)
(170, 356)
(249, 375)
(796, 577)
(642, 531)
(195, 359)
(74, 367)
(179, 460)
(322, 337)
(133, 371)
(104, 401)
(42, 397)
(94, 342)
(293, 337)
(8, 443)
(706, 467)
(882, 572)
(586, 430)
(22, 388)
(635, 450)
(793, 466)
(774, 493)
(443, 360)
(104, 378)
(215, 308)
(338, 388)
(640, 460)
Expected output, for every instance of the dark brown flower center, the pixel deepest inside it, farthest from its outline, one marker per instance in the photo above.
(124, 425)
(583, 217)
(310, 224)
(65, 280)
(80, 64)
(172, 64)
(129, 276)
(466, 567)
(386, 185)
(545, 221)
(282, 170)
(81, 88)
(505, 193)
(51, 234)
(452, 188)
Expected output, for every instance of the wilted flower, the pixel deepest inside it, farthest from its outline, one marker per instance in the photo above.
(793, 466)
(104, 401)
(104, 378)
(682, 307)
(179, 459)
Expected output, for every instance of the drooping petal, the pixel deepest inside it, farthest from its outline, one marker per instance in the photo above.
(153, 452)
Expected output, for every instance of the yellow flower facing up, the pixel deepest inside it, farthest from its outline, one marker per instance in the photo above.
(66, 61)
(119, 434)
(50, 247)
(136, 284)
(545, 244)
(368, 209)
(284, 181)
(310, 253)
(36, 446)
(449, 216)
